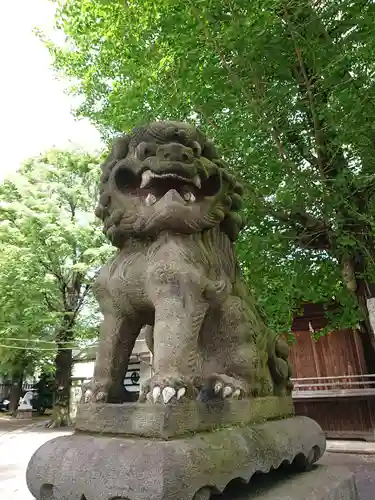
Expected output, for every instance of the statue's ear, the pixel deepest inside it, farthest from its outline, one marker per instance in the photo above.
(120, 147)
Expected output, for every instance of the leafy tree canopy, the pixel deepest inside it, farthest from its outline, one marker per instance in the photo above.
(286, 88)
(51, 249)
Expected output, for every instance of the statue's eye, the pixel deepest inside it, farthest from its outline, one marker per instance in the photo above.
(126, 179)
(197, 150)
(145, 150)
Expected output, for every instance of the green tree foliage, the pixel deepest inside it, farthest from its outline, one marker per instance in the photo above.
(25, 342)
(23, 312)
(52, 248)
(286, 87)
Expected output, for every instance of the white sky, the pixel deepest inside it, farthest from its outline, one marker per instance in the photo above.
(35, 114)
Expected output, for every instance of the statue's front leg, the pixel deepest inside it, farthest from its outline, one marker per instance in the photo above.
(180, 309)
(117, 338)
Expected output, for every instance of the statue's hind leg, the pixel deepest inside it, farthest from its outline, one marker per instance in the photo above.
(235, 358)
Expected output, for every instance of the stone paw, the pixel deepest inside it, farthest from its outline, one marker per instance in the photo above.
(166, 390)
(220, 387)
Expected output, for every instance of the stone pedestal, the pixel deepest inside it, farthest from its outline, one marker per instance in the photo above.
(21, 413)
(107, 467)
(322, 483)
(174, 420)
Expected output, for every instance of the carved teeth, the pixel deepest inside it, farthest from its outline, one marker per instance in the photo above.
(168, 394)
(148, 175)
(146, 178)
(197, 181)
(189, 197)
(150, 200)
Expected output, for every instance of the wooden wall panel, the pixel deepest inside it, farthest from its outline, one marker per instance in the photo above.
(347, 419)
(302, 356)
(338, 353)
(334, 355)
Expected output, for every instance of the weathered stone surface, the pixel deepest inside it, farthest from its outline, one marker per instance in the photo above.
(171, 206)
(166, 421)
(105, 468)
(24, 413)
(322, 483)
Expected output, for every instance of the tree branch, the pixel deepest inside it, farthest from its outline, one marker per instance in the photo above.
(310, 232)
(49, 303)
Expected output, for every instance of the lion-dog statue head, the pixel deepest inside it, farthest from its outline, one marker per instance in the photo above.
(166, 176)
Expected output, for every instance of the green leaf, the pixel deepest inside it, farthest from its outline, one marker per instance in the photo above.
(286, 89)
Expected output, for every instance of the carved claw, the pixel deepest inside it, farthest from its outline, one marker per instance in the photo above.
(100, 397)
(217, 388)
(227, 391)
(93, 395)
(168, 394)
(156, 393)
(181, 392)
(167, 390)
(223, 387)
(88, 396)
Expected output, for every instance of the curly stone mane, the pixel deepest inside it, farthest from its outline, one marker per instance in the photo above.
(179, 156)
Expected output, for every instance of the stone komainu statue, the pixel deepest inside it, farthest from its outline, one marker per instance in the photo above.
(170, 206)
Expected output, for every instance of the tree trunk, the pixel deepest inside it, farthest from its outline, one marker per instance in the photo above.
(366, 332)
(61, 406)
(352, 269)
(15, 393)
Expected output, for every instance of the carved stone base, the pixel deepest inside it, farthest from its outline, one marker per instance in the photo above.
(167, 421)
(322, 483)
(87, 467)
(24, 413)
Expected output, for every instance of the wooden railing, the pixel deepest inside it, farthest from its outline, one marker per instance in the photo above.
(332, 387)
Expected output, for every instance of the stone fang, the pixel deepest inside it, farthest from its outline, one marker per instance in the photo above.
(197, 181)
(146, 178)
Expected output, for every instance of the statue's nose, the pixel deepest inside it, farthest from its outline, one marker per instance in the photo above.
(175, 152)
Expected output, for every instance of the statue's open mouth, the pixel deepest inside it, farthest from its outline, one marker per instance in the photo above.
(153, 186)
(158, 185)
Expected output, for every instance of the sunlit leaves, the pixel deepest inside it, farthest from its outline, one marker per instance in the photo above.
(50, 244)
(286, 89)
